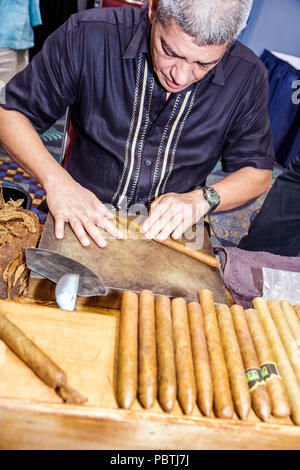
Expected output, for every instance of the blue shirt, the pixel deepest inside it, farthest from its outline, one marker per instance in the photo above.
(132, 145)
(16, 20)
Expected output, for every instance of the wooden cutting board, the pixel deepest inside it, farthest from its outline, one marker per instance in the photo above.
(134, 265)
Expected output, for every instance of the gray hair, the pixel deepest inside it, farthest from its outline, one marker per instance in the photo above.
(208, 21)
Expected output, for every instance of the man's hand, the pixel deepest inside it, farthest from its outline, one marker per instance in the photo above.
(172, 214)
(70, 202)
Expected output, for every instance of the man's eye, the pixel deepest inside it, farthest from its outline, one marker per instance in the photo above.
(204, 66)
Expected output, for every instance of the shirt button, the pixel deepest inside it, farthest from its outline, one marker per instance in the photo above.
(148, 162)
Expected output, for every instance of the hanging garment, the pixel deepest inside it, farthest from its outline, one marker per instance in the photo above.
(284, 110)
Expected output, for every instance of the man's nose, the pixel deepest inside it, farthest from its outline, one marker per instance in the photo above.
(181, 73)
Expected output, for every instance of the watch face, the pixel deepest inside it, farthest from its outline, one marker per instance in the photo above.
(213, 196)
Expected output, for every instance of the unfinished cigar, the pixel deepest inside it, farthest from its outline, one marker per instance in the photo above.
(165, 354)
(174, 245)
(259, 395)
(292, 319)
(286, 336)
(201, 359)
(275, 387)
(222, 395)
(128, 350)
(283, 363)
(297, 310)
(147, 376)
(234, 361)
(186, 386)
(37, 360)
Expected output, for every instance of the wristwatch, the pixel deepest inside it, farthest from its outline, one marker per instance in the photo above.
(211, 196)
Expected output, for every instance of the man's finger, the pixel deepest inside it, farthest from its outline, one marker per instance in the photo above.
(162, 223)
(182, 227)
(79, 231)
(169, 228)
(110, 228)
(59, 230)
(156, 212)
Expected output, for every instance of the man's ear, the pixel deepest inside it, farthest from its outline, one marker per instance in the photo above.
(152, 9)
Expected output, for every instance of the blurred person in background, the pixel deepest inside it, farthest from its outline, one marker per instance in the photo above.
(17, 17)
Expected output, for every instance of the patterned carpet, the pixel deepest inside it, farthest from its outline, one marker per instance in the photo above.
(227, 228)
(9, 171)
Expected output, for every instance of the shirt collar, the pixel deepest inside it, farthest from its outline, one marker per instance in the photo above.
(218, 76)
(139, 42)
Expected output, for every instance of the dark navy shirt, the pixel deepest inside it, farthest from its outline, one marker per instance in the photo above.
(132, 145)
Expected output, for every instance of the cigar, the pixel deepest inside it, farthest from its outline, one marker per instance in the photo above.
(283, 363)
(147, 376)
(201, 359)
(186, 386)
(234, 361)
(222, 395)
(286, 336)
(259, 395)
(297, 310)
(174, 245)
(127, 375)
(275, 387)
(292, 319)
(38, 361)
(165, 354)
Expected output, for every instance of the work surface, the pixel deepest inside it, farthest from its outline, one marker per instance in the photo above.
(85, 346)
(134, 265)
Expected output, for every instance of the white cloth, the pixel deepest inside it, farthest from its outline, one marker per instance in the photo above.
(12, 62)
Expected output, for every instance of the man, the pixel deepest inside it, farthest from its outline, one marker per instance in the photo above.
(156, 97)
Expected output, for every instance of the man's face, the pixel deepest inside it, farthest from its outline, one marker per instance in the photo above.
(177, 59)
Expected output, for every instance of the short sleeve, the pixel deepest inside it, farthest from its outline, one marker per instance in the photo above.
(249, 141)
(48, 85)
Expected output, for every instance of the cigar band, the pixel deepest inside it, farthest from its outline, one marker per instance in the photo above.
(254, 378)
(269, 370)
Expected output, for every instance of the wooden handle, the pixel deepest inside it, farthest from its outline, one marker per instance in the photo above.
(175, 245)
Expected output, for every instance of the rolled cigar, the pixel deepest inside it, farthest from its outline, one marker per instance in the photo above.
(186, 386)
(286, 336)
(201, 359)
(292, 319)
(186, 250)
(127, 375)
(165, 354)
(175, 245)
(297, 310)
(147, 375)
(38, 361)
(283, 363)
(275, 387)
(222, 395)
(259, 395)
(234, 361)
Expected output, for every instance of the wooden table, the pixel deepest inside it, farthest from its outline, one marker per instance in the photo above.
(84, 344)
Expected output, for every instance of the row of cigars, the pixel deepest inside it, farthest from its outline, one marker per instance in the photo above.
(225, 359)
